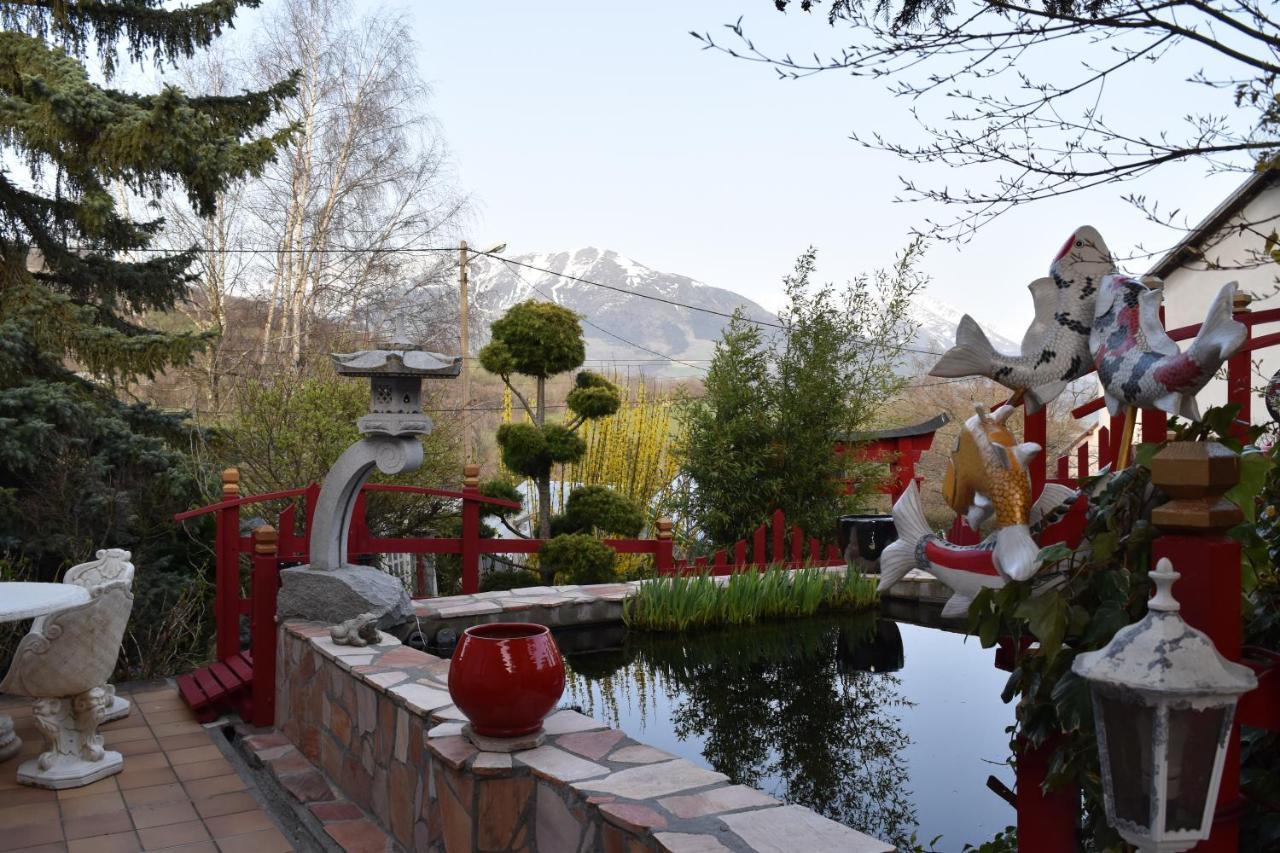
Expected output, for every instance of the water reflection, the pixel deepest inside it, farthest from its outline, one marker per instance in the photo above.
(807, 710)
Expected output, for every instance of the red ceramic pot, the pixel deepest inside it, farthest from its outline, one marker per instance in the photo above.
(506, 677)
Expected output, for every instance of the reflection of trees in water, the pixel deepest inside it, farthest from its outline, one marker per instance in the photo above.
(779, 706)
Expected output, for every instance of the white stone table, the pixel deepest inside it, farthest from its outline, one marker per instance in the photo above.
(20, 601)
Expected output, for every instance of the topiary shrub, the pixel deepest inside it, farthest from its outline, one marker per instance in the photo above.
(578, 558)
(593, 396)
(508, 579)
(599, 509)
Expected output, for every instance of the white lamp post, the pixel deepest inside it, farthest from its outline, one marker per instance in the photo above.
(1163, 701)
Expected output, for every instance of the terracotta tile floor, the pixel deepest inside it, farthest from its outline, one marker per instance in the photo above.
(176, 791)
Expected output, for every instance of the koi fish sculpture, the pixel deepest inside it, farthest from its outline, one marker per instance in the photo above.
(964, 569)
(1139, 364)
(1055, 349)
(987, 474)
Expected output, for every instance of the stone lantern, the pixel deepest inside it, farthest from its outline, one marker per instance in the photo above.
(330, 589)
(395, 393)
(1163, 702)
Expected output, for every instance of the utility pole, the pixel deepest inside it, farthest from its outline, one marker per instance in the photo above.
(465, 346)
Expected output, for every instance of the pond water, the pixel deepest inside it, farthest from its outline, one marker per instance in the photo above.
(888, 727)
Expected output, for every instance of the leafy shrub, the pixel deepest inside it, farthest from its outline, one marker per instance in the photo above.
(593, 396)
(508, 579)
(578, 558)
(599, 508)
(503, 489)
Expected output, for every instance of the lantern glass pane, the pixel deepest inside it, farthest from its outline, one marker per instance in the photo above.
(1194, 738)
(1129, 731)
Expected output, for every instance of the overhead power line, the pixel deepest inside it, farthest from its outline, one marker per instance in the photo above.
(437, 249)
(630, 343)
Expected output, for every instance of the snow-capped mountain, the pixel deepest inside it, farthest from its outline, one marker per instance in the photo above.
(938, 322)
(611, 314)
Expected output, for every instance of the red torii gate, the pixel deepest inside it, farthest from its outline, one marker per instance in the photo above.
(899, 447)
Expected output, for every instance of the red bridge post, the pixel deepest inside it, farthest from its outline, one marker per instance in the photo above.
(1194, 522)
(470, 551)
(1046, 821)
(662, 550)
(226, 604)
(266, 586)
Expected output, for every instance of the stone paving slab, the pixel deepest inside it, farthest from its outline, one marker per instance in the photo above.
(161, 799)
(348, 825)
(561, 766)
(653, 780)
(791, 828)
(718, 800)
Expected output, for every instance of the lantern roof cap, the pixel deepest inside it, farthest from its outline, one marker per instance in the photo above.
(396, 362)
(1163, 655)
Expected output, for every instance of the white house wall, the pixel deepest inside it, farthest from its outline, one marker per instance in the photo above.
(1188, 292)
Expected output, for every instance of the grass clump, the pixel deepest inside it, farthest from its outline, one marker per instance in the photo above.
(700, 601)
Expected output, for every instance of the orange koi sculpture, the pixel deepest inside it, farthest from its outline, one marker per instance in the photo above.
(988, 475)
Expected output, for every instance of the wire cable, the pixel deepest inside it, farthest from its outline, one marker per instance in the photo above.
(510, 261)
(535, 289)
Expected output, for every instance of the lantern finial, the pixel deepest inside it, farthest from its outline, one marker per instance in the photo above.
(1163, 577)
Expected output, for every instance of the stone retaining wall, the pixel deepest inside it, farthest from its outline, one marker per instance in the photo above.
(379, 723)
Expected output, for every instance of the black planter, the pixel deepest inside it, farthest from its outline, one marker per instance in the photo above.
(862, 538)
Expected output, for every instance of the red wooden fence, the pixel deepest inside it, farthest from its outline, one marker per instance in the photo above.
(790, 548)
(292, 545)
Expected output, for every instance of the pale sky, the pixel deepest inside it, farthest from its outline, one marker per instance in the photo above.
(604, 124)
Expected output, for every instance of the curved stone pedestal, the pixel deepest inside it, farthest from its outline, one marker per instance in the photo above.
(69, 772)
(484, 743)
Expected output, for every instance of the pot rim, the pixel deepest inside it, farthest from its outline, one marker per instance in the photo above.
(530, 629)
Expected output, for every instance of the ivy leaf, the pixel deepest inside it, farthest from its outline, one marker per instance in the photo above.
(1046, 616)
(1107, 619)
(1103, 546)
(1072, 702)
(1147, 452)
(1254, 468)
(989, 631)
(1055, 553)
(1078, 620)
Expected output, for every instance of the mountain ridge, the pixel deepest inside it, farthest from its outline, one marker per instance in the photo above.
(620, 327)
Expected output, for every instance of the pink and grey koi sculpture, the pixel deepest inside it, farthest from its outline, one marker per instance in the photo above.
(1140, 366)
(1055, 349)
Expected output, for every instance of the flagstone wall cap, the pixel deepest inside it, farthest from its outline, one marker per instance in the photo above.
(396, 362)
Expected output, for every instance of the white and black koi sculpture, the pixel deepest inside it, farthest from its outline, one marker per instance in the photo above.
(1055, 349)
(1139, 364)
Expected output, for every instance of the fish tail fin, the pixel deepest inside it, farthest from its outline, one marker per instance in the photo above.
(1042, 395)
(972, 355)
(1220, 334)
(957, 606)
(1016, 554)
(899, 557)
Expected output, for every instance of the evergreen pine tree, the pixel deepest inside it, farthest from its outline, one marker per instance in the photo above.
(78, 468)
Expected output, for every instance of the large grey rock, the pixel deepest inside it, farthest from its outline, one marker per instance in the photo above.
(336, 595)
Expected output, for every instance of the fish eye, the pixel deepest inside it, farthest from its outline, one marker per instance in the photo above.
(1079, 243)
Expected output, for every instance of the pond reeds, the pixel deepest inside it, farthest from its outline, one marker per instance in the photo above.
(743, 598)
